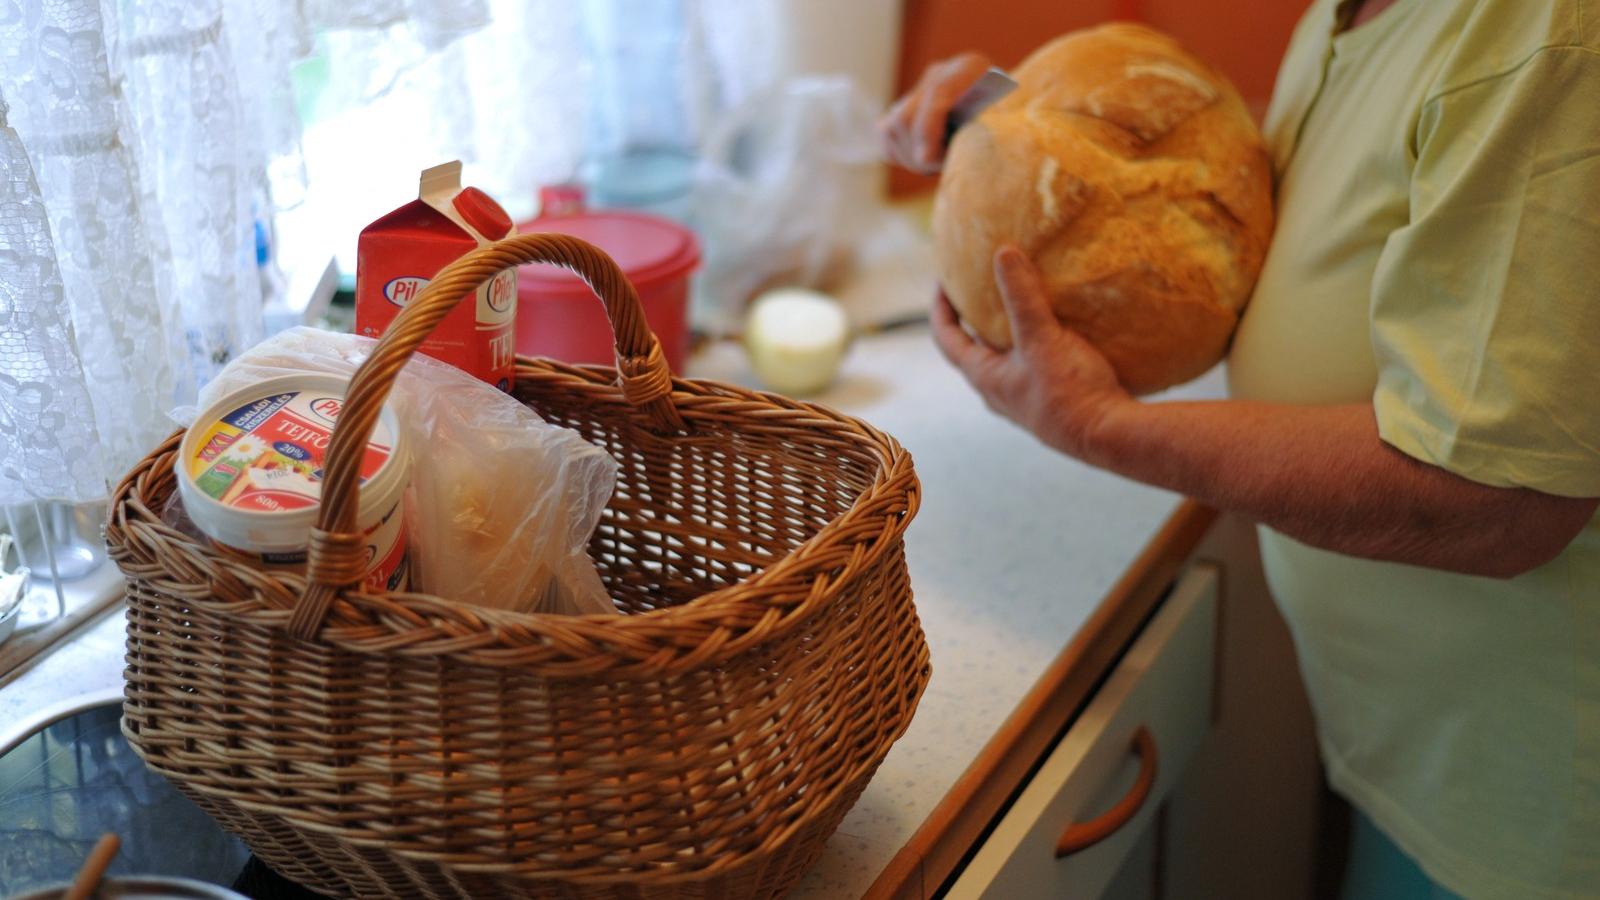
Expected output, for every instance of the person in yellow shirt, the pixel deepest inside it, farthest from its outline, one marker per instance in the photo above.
(1415, 422)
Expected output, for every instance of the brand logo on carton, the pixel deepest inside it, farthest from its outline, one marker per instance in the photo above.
(327, 408)
(502, 290)
(404, 289)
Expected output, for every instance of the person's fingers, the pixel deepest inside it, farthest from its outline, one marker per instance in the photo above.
(944, 312)
(963, 352)
(1026, 299)
(926, 135)
(927, 130)
(899, 123)
(950, 80)
(899, 127)
(909, 143)
(890, 126)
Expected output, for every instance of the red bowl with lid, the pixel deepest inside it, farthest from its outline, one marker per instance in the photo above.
(559, 317)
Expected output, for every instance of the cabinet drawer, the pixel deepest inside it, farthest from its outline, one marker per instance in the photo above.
(1162, 685)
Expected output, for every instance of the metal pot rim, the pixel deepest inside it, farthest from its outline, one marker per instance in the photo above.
(144, 886)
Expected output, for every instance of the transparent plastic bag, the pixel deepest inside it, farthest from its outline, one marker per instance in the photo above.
(785, 188)
(502, 503)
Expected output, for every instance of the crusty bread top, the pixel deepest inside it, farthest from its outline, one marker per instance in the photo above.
(1134, 176)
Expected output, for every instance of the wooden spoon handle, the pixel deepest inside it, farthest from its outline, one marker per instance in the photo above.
(83, 887)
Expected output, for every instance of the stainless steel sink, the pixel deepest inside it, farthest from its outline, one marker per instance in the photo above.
(67, 775)
(69, 781)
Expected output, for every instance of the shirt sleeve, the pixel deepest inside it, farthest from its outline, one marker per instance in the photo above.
(1486, 304)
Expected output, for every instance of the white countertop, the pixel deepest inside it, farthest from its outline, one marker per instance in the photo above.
(1012, 550)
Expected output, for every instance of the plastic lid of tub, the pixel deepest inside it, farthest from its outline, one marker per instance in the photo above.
(250, 469)
(649, 248)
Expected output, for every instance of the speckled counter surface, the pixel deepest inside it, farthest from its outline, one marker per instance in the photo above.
(1011, 552)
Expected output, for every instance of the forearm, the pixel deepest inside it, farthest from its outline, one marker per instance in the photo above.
(1320, 474)
(1323, 476)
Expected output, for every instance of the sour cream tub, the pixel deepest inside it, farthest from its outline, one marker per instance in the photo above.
(250, 475)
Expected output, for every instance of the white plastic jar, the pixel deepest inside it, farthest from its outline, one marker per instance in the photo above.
(250, 475)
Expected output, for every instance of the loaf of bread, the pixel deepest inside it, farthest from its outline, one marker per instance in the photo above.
(1135, 178)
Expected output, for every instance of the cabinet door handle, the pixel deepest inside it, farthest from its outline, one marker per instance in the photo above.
(1083, 835)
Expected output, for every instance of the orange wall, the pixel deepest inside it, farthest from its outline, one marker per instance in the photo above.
(1243, 38)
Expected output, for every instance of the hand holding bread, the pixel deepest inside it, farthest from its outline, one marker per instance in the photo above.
(1051, 381)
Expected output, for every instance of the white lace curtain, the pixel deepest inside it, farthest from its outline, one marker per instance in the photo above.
(134, 145)
(142, 143)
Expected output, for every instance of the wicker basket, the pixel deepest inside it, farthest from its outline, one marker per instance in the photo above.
(704, 745)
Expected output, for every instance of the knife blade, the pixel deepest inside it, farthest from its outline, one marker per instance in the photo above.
(984, 93)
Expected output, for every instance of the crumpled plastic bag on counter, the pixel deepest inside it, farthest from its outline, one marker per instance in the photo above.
(785, 187)
(502, 503)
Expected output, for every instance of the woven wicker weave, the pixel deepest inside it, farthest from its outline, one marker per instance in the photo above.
(704, 745)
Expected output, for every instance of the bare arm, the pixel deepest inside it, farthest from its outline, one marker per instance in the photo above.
(1322, 475)
(1319, 474)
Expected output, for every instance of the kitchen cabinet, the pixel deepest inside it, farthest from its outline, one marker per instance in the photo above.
(1233, 811)
(1080, 816)
(1243, 823)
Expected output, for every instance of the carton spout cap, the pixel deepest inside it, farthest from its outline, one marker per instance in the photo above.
(482, 214)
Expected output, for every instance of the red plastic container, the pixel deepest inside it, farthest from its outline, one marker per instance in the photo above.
(559, 317)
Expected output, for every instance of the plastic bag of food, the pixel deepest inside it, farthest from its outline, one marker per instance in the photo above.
(503, 502)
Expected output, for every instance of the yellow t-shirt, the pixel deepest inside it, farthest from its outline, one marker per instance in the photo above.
(1437, 252)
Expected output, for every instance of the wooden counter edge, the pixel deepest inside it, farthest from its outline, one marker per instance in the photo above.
(946, 835)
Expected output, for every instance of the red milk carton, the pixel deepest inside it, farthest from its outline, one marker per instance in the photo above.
(397, 254)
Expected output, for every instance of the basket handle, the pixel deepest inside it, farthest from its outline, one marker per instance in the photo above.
(336, 557)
